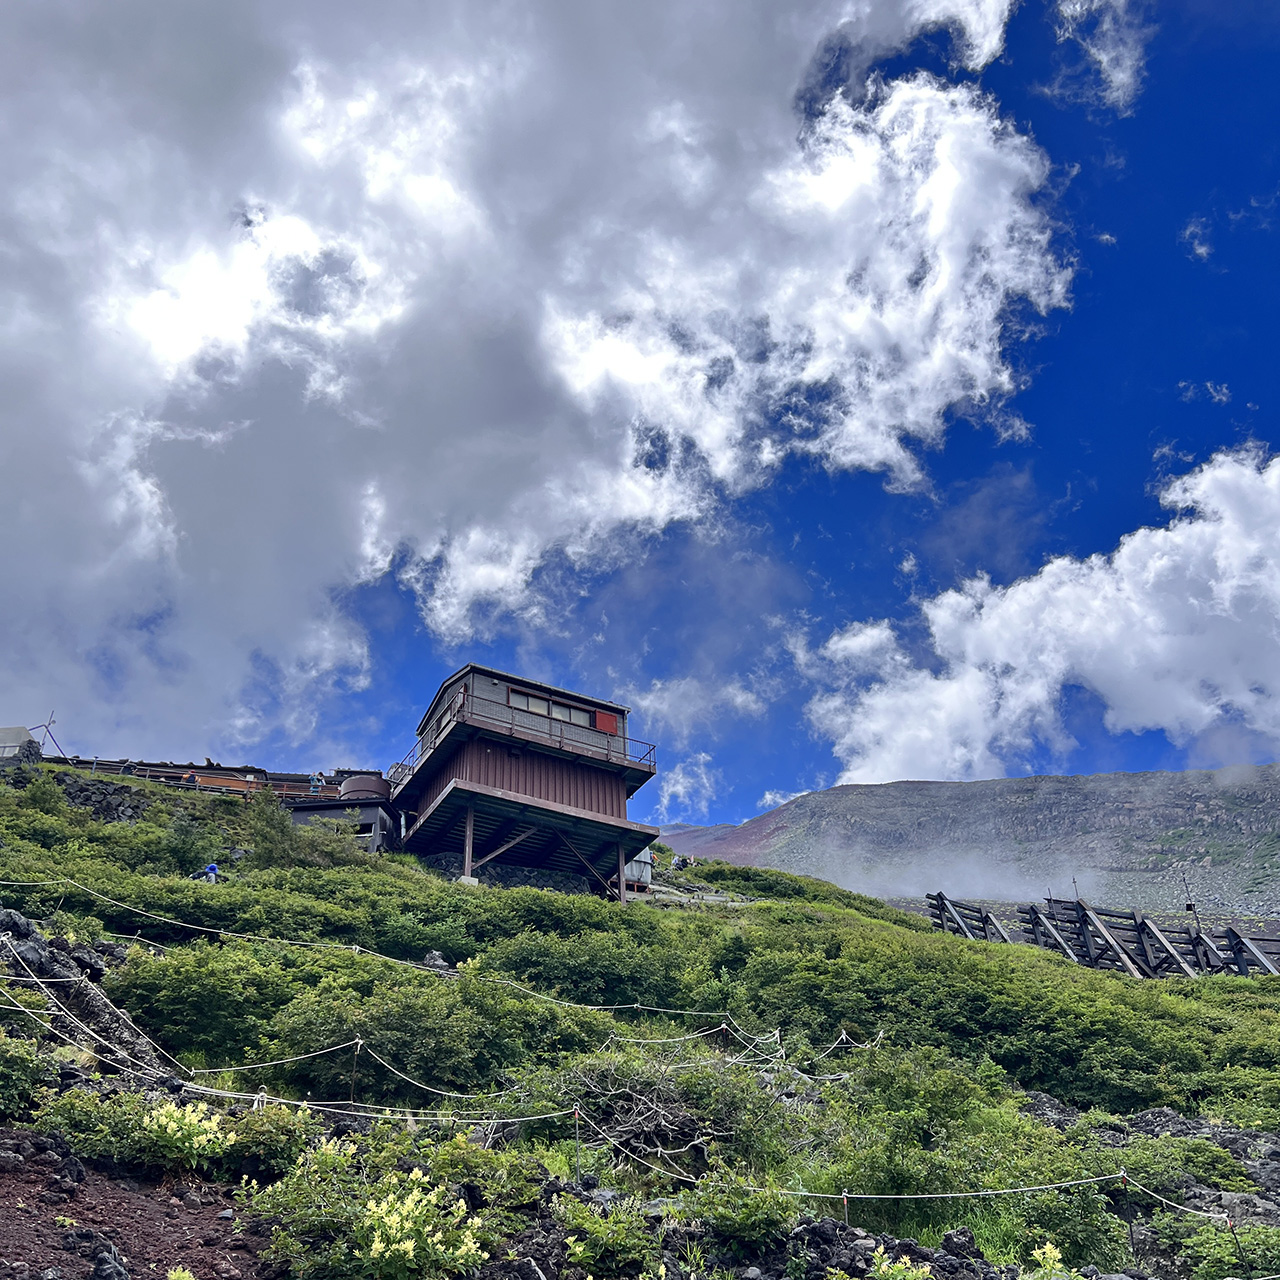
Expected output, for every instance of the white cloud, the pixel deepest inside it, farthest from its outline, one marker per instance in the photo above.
(772, 799)
(1176, 630)
(1113, 35)
(1218, 392)
(345, 288)
(687, 788)
(1196, 236)
(684, 704)
(864, 292)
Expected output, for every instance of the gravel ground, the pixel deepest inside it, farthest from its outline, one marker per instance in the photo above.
(59, 1221)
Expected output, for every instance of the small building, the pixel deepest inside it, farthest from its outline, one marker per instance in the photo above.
(364, 800)
(17, 744)
(516, 772)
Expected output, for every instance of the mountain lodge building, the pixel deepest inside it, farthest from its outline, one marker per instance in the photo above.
(511, 771)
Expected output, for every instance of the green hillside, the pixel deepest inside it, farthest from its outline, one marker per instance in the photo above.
(808, 1039)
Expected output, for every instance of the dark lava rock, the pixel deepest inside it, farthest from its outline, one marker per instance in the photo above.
(1049, 1111)
(960, 1244)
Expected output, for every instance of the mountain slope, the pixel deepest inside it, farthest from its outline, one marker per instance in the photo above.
(1124, 837)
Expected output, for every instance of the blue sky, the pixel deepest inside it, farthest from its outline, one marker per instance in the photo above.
(881, 392)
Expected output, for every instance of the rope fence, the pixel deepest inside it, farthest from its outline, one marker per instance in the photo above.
(727, 1025)
(369, 1111)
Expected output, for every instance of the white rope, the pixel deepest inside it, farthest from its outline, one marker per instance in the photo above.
(75, 1021)
(693, 1035)
(1182, 1208)
(278, 1062)
(13, 977)
(946, 1195)
(443, 1093)
(728, 1019)
(369, 1111)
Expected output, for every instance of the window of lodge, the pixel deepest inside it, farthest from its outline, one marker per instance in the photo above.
(545, 707)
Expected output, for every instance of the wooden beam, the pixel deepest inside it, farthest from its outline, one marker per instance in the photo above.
(1242, 947)
(989, 922)
(961, 927)
(1121, 953)
(468, 840)
(622, 876)
(1157, 933)
(506, 844)
(564, 840)
(1205, 950)
(1043, 922)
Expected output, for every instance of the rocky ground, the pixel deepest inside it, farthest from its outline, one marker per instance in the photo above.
(62, 1221)
(814, 1247)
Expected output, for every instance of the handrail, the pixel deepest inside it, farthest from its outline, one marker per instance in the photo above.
(176, 776)
(465, 708)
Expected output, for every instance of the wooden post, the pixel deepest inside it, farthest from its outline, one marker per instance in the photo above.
(468, 841)
(622, 876)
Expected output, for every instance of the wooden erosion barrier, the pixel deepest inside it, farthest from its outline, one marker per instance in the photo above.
(1123, 941)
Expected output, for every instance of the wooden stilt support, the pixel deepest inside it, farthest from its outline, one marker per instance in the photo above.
(468, 845)
(622, 876)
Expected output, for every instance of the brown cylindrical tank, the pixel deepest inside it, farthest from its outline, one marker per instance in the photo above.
(365, 786)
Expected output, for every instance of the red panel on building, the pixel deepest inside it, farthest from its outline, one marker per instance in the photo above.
(606, 722)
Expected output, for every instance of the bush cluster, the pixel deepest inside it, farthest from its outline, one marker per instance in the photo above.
(772, 1092)
(169, 1137)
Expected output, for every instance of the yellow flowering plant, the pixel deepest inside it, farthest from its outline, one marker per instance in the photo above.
(409, 1228)
(189, 1137)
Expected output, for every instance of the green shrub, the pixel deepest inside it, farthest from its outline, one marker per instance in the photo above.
(884, 1267)
(21, 1075)
(344, 1211)
(744, 1218)
(1163, 1163)
(175, 1137)
(1078, 1223)
(1212, 1253)
(185, 1137)
(43, 795)
(96, 1126)
(315, 1206)
(271, 1139)
(613, 1241)
(1049, 1264)
(409, 1229)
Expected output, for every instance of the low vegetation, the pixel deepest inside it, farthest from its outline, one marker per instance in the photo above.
(829, 1044)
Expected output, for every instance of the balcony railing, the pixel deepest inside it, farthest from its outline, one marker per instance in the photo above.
(465, 708)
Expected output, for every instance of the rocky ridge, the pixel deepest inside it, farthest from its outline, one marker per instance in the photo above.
(1126, 838)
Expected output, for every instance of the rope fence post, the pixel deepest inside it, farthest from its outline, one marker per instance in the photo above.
(355, 1054)
(844, 1195)
(1244, 1260)
(577, 1145)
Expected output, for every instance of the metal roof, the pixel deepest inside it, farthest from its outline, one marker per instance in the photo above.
(15, 736)
(524, 682)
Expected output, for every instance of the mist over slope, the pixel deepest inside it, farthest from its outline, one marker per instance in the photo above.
(1124, 837)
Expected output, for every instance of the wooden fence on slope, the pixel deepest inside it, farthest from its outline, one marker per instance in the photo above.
(1124, 941)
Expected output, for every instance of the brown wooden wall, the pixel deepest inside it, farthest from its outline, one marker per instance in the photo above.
(530, 773)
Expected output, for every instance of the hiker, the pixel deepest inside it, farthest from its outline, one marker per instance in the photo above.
(209, 875)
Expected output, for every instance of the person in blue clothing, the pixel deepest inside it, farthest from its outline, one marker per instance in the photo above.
(209, 875)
